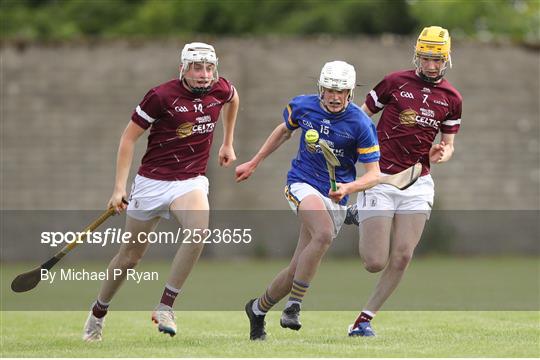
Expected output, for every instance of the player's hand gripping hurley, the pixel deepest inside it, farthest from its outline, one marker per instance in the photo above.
(29, 280)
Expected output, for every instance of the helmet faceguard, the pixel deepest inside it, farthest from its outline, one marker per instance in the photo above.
(433, 42)
(198, 52)
(337, 75)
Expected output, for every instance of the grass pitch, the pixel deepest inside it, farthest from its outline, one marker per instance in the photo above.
(225, 334)
(430, 284)
(456, 290)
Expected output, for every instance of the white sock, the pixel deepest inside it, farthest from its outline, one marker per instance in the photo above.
(370, 313)
(256, 310)
(102, 302)
(172, 288)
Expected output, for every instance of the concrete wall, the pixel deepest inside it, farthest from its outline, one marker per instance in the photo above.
(63, 109)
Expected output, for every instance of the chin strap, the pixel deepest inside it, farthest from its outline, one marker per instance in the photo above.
(197, 91)
(337, 112)
(200, 91)
(430, 79)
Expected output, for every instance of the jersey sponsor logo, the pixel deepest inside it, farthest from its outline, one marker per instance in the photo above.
(427, 112)
(441, 102)
(427, 122)
(187, 129)
(203, 119)
(335, 150)
(180, 109)
(408, 117)
(317, 149)
(426, 90)
(330, 142)
(203, 128)
(406, 94)
(184, 130)
(326, 121)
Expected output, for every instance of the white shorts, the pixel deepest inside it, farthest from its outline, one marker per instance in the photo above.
(386, 200)
(296, 192)
(151, 198)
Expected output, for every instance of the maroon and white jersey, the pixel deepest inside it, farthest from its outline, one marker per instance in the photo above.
(414, 112)
(181, 128)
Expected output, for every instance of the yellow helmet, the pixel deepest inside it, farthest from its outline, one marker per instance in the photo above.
(433, 42)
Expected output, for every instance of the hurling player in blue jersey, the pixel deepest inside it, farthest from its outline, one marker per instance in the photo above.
(351, 134)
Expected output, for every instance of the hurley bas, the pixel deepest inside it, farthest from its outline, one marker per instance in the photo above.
(83, 275)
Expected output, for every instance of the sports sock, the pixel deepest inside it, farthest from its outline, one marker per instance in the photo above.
(263, 304)
(298, 291)
(99, 309)
(169, 295)
(365, 316)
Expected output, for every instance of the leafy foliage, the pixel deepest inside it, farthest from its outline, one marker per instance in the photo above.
(69, 19)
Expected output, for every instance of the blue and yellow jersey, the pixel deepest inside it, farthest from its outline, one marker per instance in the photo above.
(350, 133)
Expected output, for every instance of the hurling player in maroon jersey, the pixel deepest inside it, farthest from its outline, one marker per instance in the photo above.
(416, 104)
(181, 115)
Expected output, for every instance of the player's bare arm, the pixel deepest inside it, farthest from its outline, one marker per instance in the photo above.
(123, 163)
(369, 179)
(442, 151)
(230, 110)
(366, 110)
(274, 141)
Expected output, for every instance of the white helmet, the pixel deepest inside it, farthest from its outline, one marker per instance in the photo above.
(338, 75)
(198, 52)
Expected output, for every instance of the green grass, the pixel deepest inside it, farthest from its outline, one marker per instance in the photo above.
(224, 334)
(468, 286)
(432, 283)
